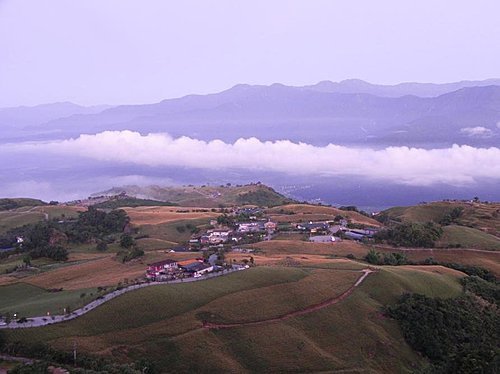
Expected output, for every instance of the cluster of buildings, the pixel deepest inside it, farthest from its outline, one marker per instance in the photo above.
(240, 232)
(323, 232)
(171, 269)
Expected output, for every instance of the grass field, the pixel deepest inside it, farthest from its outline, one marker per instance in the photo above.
(279, 248)
(468, 237)
(175, 232)
(163, 323)
(154, 215)
(12, 218)
(287, 247)
(103, 270)
(29, 301)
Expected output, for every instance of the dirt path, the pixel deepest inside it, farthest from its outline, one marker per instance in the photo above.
(310, 309)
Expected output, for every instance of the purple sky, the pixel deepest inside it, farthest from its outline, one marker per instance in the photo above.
(120, 51)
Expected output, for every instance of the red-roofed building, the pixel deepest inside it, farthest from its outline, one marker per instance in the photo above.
(159, 268)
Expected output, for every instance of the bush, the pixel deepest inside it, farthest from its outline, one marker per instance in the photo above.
(489, 291)
(411, 234)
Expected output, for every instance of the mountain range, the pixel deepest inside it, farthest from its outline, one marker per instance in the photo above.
(348, 112)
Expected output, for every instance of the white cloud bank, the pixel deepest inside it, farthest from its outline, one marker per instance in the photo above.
(457, 165)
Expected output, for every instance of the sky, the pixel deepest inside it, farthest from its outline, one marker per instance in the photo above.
(113, 52)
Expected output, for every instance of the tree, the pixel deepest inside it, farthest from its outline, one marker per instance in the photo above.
(126, 241)
(373, 257)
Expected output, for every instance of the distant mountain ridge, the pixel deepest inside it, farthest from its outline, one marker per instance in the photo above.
(349, 112)
(398, 90)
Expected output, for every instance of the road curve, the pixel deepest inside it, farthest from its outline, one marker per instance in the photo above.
(45, 320)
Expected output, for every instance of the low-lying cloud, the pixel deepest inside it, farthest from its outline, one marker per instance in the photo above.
(456, 165)
(478, 132)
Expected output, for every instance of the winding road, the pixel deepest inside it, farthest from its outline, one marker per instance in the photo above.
(46, 320)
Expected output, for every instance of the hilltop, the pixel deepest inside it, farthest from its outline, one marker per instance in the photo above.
(204, 196)
(13, 203)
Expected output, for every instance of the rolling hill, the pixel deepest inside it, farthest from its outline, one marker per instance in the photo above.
(349, 335)
(205, 196)
(477, 225)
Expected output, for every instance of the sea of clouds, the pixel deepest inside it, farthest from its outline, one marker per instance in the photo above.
(456, 165)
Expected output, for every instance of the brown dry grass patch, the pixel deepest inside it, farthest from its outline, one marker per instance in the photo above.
(306, 210)
(286, 247)
(102, 271)
(154, 215)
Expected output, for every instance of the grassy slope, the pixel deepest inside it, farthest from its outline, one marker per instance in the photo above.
(485, 217)
(14, 203)
(131, 202)
(487, 259)
(468, 237)
(169, 231)
(307, 212)
(27, 300)
(161, 323)
(26, 215)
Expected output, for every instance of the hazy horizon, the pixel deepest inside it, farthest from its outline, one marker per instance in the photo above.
(122, 52)
(244, 83)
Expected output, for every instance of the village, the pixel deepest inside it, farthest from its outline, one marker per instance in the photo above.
(246, 225)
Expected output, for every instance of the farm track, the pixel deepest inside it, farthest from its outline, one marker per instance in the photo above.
(296, 313)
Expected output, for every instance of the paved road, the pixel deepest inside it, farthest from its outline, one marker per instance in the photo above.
(44, 320)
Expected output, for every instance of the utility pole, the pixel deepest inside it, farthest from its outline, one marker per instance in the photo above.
(74, 353)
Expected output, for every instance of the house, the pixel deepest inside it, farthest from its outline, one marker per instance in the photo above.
(197, 268)
(251, 226)
(313, 226)
(322, 239)
(218, 236)
(366, 232)
(184, 263)
(157, 269)
(270, 226)
(353, 235)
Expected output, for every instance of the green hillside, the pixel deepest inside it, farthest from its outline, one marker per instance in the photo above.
(14, 203)
(467, 237)
(131, 202)
(467, 225)
(349, 336)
